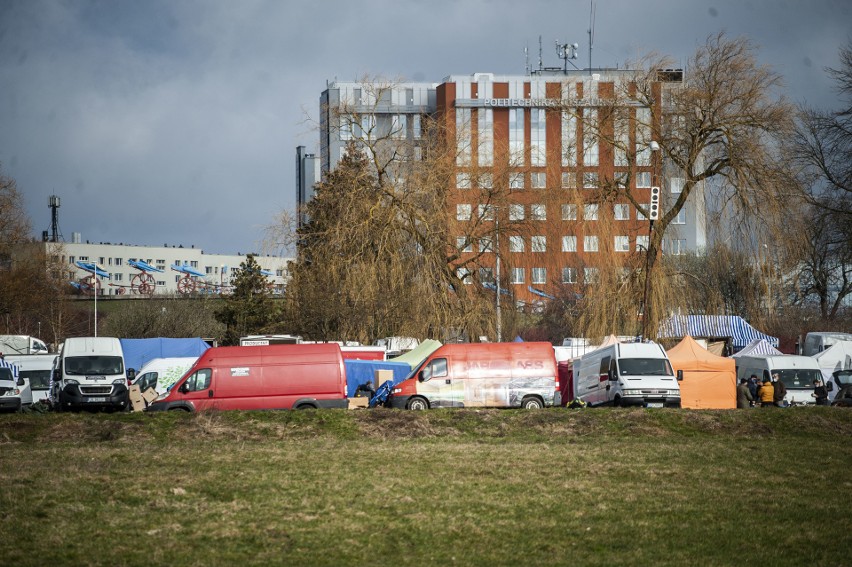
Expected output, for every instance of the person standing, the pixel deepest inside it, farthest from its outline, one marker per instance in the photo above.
(744, 397)
(767, 394)
(820, 393)
(753, 387)
(780, 390)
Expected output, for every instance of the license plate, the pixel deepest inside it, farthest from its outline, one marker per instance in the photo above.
(95, 400)
(655, 404)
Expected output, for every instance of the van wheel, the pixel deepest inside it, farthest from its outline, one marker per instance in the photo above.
(417, 404)
(306, 406)
(532, 402)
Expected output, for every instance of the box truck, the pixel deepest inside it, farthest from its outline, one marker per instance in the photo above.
(21, 344)
(796, 372)
(501, 375)
(90, 374)
(626, 374)
(295, 376)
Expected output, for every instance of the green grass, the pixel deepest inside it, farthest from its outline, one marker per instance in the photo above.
(384, 487)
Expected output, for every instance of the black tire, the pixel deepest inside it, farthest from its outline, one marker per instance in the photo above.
(305, 406)
(417, 403)
(532, 402)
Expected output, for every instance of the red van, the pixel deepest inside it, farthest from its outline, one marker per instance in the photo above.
(502, 375)
(261, 377)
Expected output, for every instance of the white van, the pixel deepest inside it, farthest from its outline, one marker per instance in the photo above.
(90, 374)
(815, 343)
(797, 373)
(15, 394)
(36, 368)
(162, 373)
(626, 374)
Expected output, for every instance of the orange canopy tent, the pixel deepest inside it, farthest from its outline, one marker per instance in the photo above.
(709, 381)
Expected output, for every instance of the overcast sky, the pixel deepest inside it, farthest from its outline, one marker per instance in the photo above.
(176, 122)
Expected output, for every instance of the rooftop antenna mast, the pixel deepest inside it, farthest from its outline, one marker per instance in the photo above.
(591, 31)
(53, 203)
(527, 59)
(566, 52)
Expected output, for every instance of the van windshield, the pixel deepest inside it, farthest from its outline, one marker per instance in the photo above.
(39, 379)
(100, 365)
(645, 367)
(799, 378)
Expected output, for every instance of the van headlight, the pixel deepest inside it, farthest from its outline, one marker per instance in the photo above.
(71, 381)
(674, 392)
(118, 382)
(632, 392)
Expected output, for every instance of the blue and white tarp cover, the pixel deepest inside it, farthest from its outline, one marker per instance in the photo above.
(714, 326)
(757, 347)
(363, 371)
(144, 266)
(12, 367)
(188, 270)
(137, 352)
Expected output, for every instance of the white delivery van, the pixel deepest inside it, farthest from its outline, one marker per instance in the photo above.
(815, 343)
(15, 393)
(21, 344)
(90, 374)
(36, 368)
(626, 374)
(162, 373)
(797, 373)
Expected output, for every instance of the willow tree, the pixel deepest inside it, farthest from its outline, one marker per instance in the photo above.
(380, 253)
(718, 128)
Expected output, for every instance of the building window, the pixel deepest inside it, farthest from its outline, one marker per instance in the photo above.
(516, 181)
(622, 179)
(538, 137)
(516, 212)
(590, 212)
(486, 212)
(517, 276)
(569, 243)
(539, 275)
(463, 212)
(464, 244)
(538, 243)
(119, 261)
(485, 244)
(516, 244)
(678, 247)
(569, 275)
(486, 136)
(590, 244)
(569, 212)
(639, 214)
(569, 180)
(622, 139)
(194, 263)
(590, 275)
(680, 218)
(622, 244)
(590, 137)
(279, 272)
(345, 127)
(516, 136)
(486, 181)
(643, 136)
(84, 258)
(208, 270)
(643, 179)
(642, 243)
(590, 180)
(676, 185)
(101, 260)
(621, 212)
(463, 136)
(464, 275)
(569, 139)
(538, 212)
(70, 259)
(117, 277)
(538, 180)
(416, 126)
(463, 180)
(399, 126)
(486, 275)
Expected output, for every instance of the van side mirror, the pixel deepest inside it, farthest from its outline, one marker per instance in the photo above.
(829, 387)
(680, 375)
(131, 374)
(184, 388)
(612, 375)
(420, 377)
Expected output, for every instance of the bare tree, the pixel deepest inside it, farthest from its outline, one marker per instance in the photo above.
(15, 224)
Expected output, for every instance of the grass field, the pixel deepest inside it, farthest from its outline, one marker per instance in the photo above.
(467, 487)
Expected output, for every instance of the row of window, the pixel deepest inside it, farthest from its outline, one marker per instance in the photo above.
(538, 180)
(517, 244)
(538, 212)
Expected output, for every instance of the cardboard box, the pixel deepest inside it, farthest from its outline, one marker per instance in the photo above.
(355, 403)
(137, 402)
(382, 376)
(150, 395)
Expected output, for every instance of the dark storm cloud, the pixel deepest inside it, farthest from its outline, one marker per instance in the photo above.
(176, 121)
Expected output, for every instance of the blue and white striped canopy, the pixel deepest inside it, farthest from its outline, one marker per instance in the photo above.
(10, 366)
(714, 326)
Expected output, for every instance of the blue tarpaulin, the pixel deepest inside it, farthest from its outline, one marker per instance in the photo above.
(139, 351)
(714, 327)
(362, 371)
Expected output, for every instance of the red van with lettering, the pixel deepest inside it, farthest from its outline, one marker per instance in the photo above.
(259, 378)
(499, 375)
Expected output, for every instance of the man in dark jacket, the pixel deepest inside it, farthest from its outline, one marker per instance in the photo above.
(753, 386)
(780, 390)
(744, 397)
